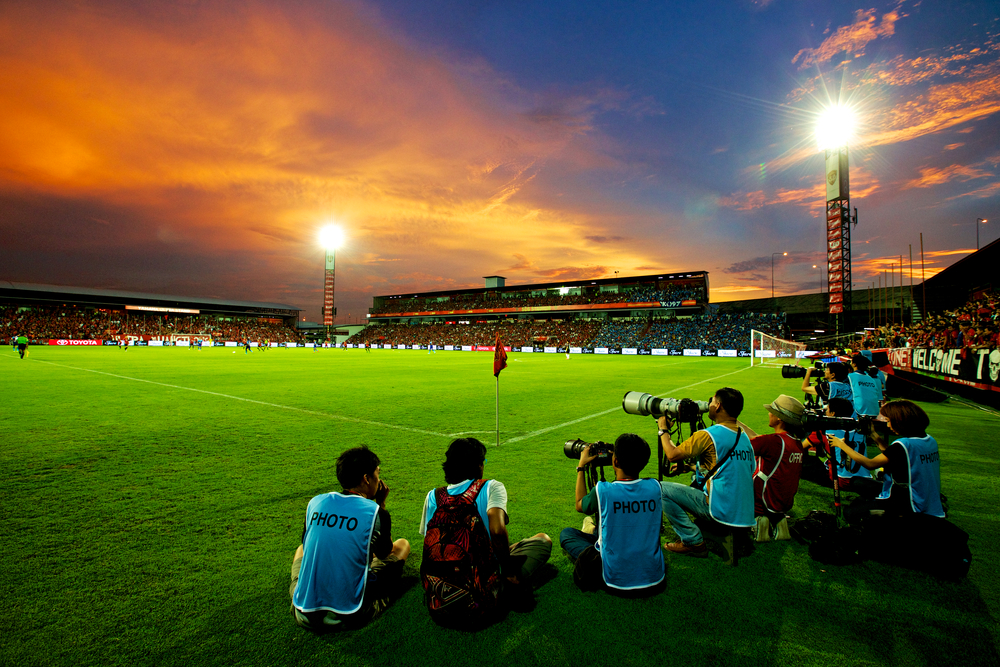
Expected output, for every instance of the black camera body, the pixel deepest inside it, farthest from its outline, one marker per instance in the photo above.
(603, 450)
(872, 426)
(793, 371)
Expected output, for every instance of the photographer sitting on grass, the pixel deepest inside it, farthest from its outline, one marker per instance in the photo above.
(851, 475)
(347, 568)
(469, 566)
(779, 465)
(912, 482)
(625, 553)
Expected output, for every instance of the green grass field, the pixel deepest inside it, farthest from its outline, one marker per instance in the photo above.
(152, 500)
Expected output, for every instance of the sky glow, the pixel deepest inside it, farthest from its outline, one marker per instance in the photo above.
(197, 148)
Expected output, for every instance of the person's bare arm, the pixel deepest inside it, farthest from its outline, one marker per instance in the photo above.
(871, 464)
(806, 387)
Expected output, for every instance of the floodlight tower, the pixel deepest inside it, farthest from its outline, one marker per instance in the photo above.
(833, 132)
(331, 237)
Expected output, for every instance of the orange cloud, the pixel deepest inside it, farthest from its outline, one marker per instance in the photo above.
(220, 119)
(851, 39)
(749, 201)
(931, 176)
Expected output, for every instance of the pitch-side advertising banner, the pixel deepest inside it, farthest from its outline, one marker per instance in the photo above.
(692, 353)
(974, 368)
(551, 350)
(727, 353)
(64, 341)
(657, 352)
(630, 351)
(576, 350)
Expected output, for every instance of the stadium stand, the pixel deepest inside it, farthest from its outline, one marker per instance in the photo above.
(42, 323)
(974, 325)
(730, 332)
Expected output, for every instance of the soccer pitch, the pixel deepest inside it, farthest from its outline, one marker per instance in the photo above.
(152, 500)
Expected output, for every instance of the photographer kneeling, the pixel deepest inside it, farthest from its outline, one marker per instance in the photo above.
(834, 384)
(725, 493)
(625, 553)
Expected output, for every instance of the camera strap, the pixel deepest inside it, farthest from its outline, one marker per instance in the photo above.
(718, 464)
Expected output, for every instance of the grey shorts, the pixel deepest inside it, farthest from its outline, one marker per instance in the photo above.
(383, 580)
(528, 555)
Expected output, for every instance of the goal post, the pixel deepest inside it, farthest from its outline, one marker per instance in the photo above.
(766, 349)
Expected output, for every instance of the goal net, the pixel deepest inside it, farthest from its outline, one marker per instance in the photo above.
(771, 350)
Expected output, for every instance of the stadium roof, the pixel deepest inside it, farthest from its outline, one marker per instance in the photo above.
(618, 280)
(12, 291)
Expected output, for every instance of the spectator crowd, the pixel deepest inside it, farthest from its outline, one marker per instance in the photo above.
(42, 323)
(973, 326)
(719, 332)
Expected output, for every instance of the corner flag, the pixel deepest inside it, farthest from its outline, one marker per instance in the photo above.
(499, 357)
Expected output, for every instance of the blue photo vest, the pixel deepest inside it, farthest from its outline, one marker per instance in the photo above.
(841, 390)
(335, 553)
(629, 539)
(730, 491)
(846, 467)
(867, 392)
(925, 475)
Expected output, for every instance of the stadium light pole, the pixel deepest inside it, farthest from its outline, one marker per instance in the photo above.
(331, 237)
(773, 254)
(978, 221)
(834, 131)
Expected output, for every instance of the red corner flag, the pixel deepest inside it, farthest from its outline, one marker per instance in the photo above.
(499, 357)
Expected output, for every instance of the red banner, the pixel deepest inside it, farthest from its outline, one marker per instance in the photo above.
(63, 341)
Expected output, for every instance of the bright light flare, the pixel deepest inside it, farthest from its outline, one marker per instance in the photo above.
(331, 237)
(835, 127)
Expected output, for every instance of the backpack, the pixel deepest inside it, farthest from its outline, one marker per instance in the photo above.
(460, 573)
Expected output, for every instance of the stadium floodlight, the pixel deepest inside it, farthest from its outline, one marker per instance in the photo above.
(835, 127)
(331, 237)
(979, 220)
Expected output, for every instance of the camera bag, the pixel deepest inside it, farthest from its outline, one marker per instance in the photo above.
(459, 571)
(918, 542)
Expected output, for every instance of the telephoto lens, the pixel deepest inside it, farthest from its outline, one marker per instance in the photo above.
(791, 371)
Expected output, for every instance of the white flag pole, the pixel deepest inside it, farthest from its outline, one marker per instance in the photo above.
(498, 409)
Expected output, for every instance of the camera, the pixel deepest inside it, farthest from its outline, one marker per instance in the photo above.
(815, 420)
(792, 371)
(574, 448)
(684, 409)
(872, 426)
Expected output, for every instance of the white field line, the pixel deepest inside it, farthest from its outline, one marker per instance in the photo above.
(256, 402)
(614, 409)
(355, 420)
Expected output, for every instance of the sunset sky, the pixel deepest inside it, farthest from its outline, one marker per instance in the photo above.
(197, 148)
